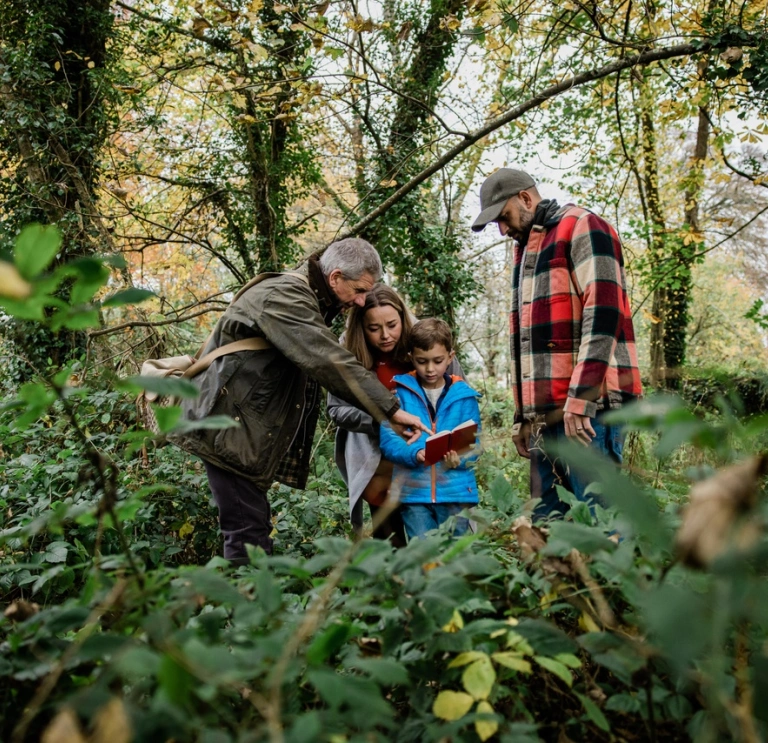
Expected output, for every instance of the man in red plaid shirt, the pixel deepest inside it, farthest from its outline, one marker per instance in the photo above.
(571, 336)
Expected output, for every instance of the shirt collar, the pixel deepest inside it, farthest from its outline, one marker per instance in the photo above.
(330, 306)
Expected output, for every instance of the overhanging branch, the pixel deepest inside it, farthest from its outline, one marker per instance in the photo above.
(642, 59)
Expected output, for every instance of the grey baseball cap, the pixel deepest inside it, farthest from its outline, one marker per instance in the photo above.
(496, 189)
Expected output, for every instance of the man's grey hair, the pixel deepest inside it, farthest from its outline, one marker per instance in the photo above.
(353, 257)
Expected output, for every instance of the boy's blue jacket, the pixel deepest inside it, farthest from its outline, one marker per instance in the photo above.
(412, 481)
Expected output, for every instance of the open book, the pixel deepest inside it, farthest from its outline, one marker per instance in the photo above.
(458, 440)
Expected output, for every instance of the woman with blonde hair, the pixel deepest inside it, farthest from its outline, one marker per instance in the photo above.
(376, 334)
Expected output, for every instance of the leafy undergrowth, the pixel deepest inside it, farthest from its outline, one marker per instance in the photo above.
(512, 634)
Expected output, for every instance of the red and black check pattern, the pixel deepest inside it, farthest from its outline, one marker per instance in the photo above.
(571, 336)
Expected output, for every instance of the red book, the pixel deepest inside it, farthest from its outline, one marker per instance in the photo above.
(458, 440)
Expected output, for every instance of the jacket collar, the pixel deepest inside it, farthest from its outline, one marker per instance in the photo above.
(409, 381)
(548, 213)
(329, 304)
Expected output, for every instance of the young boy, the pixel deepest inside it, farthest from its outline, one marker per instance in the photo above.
(430, 495)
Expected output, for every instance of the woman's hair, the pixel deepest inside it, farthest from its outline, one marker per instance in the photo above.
(354, 339)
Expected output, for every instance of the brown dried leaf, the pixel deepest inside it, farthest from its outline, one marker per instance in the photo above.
(732, 54)
(112, 724)
(530, 538)
(714, 505)
(64, 728)
(199, 26)
(21, 610)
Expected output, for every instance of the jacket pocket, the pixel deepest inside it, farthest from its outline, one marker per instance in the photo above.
(258, 380)
(250, 447)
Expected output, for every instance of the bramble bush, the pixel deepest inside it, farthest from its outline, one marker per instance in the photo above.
(646, 622)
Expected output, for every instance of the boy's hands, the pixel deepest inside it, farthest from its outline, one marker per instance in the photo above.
(451, 460)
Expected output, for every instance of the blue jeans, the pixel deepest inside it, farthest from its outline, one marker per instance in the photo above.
(547, 472)
(419, 518)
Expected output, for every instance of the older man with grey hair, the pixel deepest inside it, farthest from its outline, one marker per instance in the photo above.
(272, 392)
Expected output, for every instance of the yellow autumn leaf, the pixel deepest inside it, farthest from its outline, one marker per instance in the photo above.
(479, 678)
(259, 52)
(587, 623)
(57, 65)
(388, 183)
(91, 65)
(485, 728)
(455, 624)
(11, 283)
(186, 530)
(515, 661)
(519, 643)
(360, 24)
(463, 659)
(452, 705)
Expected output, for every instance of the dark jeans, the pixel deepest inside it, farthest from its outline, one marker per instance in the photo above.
(244, 513)
(547, 472)
(419, 518)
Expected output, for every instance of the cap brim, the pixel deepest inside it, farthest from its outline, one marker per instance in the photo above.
(491, 214)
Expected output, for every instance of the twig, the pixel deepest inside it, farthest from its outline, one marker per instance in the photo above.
(50, 681)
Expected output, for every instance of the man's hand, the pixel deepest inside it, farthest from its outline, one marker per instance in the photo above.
(579, 428)
(522, 440)
(408, 426)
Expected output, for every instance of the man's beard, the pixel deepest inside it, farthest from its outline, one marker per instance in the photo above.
(526, 222)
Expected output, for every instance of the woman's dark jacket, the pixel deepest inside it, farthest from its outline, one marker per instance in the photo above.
(273, 394)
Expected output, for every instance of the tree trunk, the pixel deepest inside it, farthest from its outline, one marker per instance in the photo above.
(53, 123)
(679, 296)
(658, 232)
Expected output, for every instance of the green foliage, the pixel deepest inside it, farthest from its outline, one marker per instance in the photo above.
(120, 610)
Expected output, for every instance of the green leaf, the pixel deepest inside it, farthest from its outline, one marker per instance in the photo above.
(479, 677)
(452, 705)
(167, 417)
(554, 666)
(515, 661)
(501, 493)
(565, 536)
(128, 296)
(211, 423)
(175, 681)
(569, 660)
(544, 637)
(76, 318)
(163, 386)
(56, 552)
(25, 309)
(36, 247)
(330, 640)
(384, 671)
(593, 712)
(511, 23)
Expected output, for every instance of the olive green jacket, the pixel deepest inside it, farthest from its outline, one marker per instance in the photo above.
(274, 394)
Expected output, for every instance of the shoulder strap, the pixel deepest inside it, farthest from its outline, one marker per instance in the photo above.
(246, 344)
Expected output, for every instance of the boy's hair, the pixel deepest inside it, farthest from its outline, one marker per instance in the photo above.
(430, 332)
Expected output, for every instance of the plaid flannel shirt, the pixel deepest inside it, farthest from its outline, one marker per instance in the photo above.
(571, 334)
